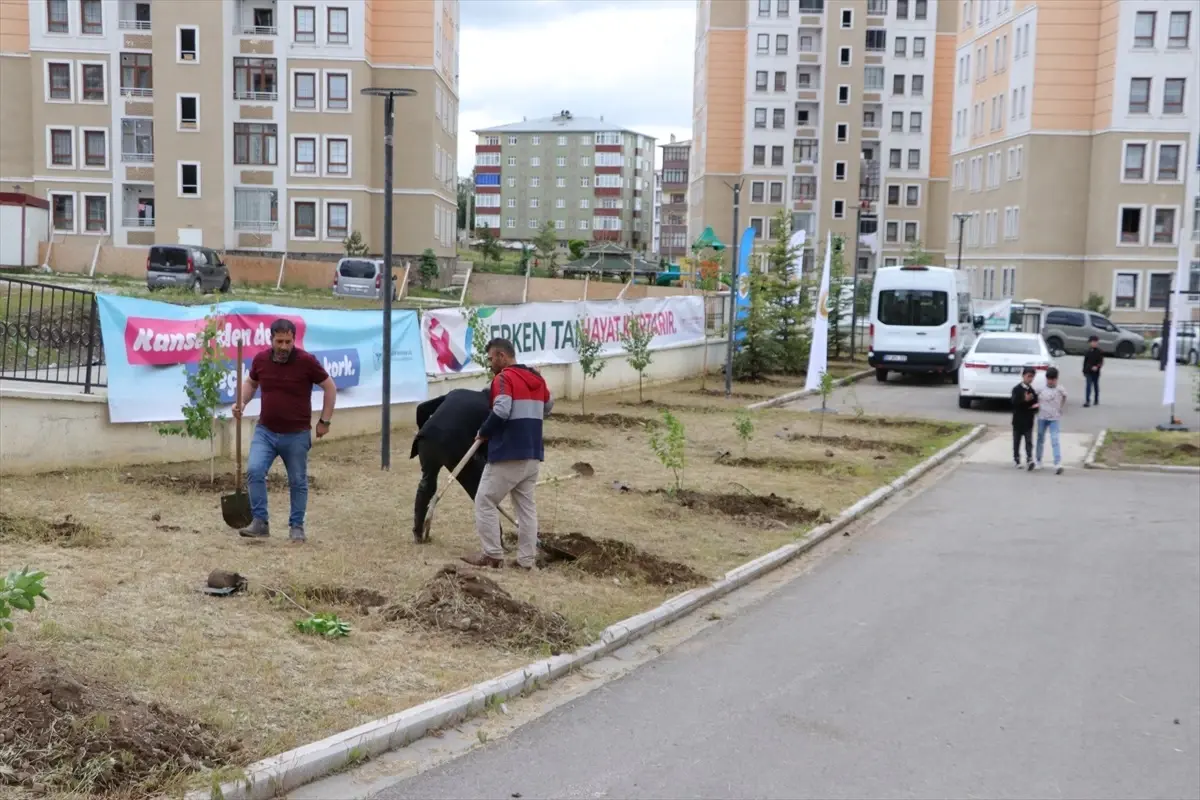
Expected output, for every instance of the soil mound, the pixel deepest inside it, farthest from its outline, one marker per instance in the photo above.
(569, 442)
(476, 606)
(67, 533)
(751, 507)
(612, 558)
(66, 733)
(315, 598)
(1187, 449)
(823, 467)
(855, 443)
(200, 484)
(604, 420)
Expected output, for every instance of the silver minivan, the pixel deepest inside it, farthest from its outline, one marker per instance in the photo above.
(186, 266)
(361, 277)
(1067, 330)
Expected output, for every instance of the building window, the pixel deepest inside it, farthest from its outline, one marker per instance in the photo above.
(95, 148)
(843, 95)
(1139, 95)
(876, 40)
(512, 161)
(914, 159)
(776, 191)
(304, 219)
(91, 13)
(895, 158)
(780, 82)
(757, 191)
(62, 149)
(188, 112)
(915, 120)
(189, 179)
(898, 84)
(912, 195)
(763, 43)
(1131, 225)
(1168, 162)
(777, 155)
(306, 23)
(839, 209)
(1179, 30)
(921, 9)
(58, 79)
(57, 16)
(255, 79)
(760, 81)
(337, 156)
(255, 209)
(910, 232)
(919, 47)
(847, 18)
(839, 170)
(255, 144)
(95, 208)
(1143, 29)
(842, 131)
(781, 44)
(1173, 91)
(759, 155)
(1158, 291)
(337, 221)
(63, 212)
(305, 155)
(137, 140)
(891, 232)
(338, 25)
(187, 44)
(760, 118)
(900, 47)
(93, 83)
(897, 121)
(337, 91)
(918, 85)
(844, 56)
(1135, 162)
(137, 75)
(778, 117)
(1164, 226)
(304, 92)
(893, 195)
(1125, 290)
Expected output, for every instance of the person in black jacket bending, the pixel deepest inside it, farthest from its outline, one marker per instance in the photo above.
(1025, 406)
(1093, 360)
(446, 428)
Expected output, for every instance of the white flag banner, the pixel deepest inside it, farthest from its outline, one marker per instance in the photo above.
(796, 246)
(818, 355)
(1174, 302)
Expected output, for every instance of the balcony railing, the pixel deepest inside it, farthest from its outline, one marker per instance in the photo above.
(256, 226)
(137, 158)
(255, 30)
(261, 97)
(133, 24)
(134, 91)
(138, 222)
(877, 7)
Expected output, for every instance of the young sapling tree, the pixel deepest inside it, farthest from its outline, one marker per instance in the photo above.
(636, 338)
(744, 425)
(590, 363)
(203, 393)
(668, 441)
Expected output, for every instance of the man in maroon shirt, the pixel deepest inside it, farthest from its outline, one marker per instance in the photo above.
(287, 375)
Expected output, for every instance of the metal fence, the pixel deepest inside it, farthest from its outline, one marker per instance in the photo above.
(50, 334)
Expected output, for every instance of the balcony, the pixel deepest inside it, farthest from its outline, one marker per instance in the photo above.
(805, 151)
(137, 141)
(134, 16)
(255, 210)
(255, 18)
(255, 80)
(137, 206)
(877, 8)
(868, 180)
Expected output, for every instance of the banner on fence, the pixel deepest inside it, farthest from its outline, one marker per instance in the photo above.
(151, 348)
(546, 333)
(996, 314)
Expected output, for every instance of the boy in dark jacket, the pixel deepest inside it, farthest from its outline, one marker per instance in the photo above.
(1025, 406)
(1093, 360)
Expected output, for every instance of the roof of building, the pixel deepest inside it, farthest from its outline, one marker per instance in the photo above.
(562, 121)
(684, 143)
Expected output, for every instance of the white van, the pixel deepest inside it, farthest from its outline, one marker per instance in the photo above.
(920, 321)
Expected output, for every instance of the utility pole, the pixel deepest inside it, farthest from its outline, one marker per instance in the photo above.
(961, 218)
(733, 291)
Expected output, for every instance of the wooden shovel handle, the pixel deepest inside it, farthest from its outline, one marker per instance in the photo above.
(453, 476)
(238, 422)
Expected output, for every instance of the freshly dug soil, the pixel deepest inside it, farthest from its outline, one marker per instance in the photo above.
(604, 420)
(199, 484)
(66, 733)
(570, 442)
(824, 467)
(934, 428)
(854, 443)
(476, 606)
(318, 598)
(1186, 449)
(608, 558)
(67, 533)
(750, 507)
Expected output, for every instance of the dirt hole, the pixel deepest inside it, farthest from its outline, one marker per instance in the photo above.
(199, 483)
(750, 507)
(67, 532)
(608, 558)
(823, 467)
(320, 598)
(933, 428)
(854, 443)
(1187, 449)
(569, 442)
(605, 420)
(475, 606)
(69, 734)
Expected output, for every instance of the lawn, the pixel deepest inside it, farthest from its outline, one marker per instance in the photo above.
(126, 552)
(1180, 449)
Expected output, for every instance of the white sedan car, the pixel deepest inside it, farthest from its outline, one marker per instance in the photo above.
(993, 366)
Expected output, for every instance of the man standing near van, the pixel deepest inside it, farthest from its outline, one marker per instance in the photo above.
(1093, 360)
(287, 375)
(520, 400)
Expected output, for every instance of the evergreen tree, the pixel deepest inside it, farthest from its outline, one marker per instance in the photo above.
(790, 297)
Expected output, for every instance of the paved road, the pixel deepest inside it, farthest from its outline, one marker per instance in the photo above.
(1131, 393)
(990, 639)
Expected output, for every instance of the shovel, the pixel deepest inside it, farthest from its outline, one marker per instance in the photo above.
(580, 469)
(453, 477)
(235, 508)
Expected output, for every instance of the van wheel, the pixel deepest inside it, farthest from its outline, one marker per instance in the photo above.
(225, 285)
(881, 375)
(1055, 345)
(964, 402)
(1125, 350)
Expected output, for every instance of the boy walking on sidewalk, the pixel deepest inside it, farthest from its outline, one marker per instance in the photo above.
(1093, 360)
(1024, 404)
(1051, 402)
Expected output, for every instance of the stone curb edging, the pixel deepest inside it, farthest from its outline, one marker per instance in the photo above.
(802, 393)
(274, 776)
(1171, 469)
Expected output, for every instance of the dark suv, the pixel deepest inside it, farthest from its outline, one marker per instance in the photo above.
(187, 267)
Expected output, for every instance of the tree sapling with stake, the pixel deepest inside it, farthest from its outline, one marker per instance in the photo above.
(825, 389)
(203, 393)
(744, 425)
(635, 338)
(590, 363)
(667, 441)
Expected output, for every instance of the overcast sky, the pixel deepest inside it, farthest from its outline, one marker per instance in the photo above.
(629, 61)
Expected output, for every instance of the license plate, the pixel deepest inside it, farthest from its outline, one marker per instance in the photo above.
(1006, 370)
(895, 358)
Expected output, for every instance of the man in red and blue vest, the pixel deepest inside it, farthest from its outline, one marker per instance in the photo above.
(520, 401)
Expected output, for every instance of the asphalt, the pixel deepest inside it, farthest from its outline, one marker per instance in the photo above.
(1005, 634)
(1130, 393)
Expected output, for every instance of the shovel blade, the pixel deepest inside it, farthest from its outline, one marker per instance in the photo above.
(235, 508)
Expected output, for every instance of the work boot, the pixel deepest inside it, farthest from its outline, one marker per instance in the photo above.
(483, 560)
(257, 529)
(296, 534)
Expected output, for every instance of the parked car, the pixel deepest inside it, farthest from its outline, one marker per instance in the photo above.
(1187, 347)
(186, 267)
(995, 362)
(1067, 330)
(361, 277)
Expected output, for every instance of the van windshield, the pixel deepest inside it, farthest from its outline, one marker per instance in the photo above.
(357, 269)
(913, 307)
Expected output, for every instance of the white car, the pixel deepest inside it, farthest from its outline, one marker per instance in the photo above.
(1187, 348)
(993, 366)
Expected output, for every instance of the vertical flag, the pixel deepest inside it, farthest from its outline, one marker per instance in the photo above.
(741, 292)
(1178, 286)
(818, 355)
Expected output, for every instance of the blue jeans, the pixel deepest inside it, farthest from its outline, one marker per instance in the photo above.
(1092, 385)
(293, 448)
(1051, 425)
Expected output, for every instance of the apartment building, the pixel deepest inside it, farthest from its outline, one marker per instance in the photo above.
(592, 179)
(1075, 149)
(676, 157)
(656, 226)
(835, 110)
(236, 124)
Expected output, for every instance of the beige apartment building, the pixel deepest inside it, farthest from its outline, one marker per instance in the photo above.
(235, 124)
(831, 109)
(1074, 151)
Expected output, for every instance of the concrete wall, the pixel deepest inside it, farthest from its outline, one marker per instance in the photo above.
(493, 288)
(55, 429)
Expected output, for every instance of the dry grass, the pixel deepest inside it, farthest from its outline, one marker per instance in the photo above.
(1173, 448)
(237, 663)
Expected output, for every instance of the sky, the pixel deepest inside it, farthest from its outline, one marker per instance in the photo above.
(629, 61)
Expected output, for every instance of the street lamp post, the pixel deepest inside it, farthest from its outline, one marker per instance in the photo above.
(733, 280)
(867, 189)
(961, 218)
(389, 125)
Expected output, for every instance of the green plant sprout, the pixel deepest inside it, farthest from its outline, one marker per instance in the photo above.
(825, 389)
(744, 425)
(327, 625)
(668, 442)
(203, 393)
(636, 338)
(20, 591)
(590, 363)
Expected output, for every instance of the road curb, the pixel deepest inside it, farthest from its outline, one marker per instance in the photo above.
(1170, 469)
(802, 393)
(1089, 461)
(274, 776)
